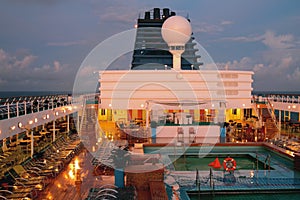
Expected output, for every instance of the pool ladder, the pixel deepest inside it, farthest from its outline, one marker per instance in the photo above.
(268, 159)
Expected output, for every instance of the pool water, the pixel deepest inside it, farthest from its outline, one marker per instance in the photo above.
(266, 196)
(193, 162)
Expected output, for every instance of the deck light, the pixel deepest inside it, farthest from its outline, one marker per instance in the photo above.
(30, 122)
(12, 128)
(47, 116)
(35, 120)
(251, 174)
(19, 125)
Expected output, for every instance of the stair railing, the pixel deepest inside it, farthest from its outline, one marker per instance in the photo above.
(254, 107)
(272, 113)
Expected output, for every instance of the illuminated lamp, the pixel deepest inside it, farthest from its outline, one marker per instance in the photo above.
(19, 125)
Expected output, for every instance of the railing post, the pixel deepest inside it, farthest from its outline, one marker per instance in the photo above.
(25, 108)
(279, 124)
(53, 133)
(17, 104)
(68, 123)
(38, 105)
(8, 111)
(31, 144)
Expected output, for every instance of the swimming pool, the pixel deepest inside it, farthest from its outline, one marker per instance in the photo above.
(194, 162)
(290, 195)
(251, 174)
(249, 153)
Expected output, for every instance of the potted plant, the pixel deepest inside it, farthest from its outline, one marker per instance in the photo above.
(120, 159)
(153, 126)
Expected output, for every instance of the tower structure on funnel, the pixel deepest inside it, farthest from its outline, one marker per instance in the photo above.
(176, 32)
(150, 49)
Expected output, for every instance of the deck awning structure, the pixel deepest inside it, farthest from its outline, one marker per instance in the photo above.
(178, 103)
(183, 104)
(186, 103)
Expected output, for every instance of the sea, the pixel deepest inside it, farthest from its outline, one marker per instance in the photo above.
(8, 94)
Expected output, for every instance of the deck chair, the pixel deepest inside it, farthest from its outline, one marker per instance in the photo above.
(36, 182)
(44, 168)
(33, 174)
(18, 192)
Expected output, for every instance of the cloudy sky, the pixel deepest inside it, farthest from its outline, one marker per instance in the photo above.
(44, 42)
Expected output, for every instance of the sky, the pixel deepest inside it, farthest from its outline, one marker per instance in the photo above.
(44, 42)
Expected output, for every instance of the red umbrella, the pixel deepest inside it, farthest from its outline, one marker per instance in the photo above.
(215, 163)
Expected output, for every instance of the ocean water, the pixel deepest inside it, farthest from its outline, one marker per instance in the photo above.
(7, 94)
(265, 93)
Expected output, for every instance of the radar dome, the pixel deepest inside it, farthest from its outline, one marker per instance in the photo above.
(176, 31)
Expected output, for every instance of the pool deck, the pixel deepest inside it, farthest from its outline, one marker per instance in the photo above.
(281, 177)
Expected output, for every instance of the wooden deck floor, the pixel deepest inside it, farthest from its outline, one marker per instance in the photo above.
(64, 187)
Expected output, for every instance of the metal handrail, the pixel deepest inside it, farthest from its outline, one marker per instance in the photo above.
(15, 108)
(272, 114)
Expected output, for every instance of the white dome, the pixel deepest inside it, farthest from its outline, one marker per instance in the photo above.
(176, 31)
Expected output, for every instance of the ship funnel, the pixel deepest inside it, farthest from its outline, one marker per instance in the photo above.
(166, 12)
(156, 13)
(147, 15)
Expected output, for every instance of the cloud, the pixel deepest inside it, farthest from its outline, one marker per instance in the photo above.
(3, 55)
(26, 61)
(66, 44)
(226, 22)
(12, 62)
(203, 27)
(50, 71)
(244, 38)
(269, 38)
(245, 63)
(22, 73)
(274, 69)
(295, 76)
(278, 42)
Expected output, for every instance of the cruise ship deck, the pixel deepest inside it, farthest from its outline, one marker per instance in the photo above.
(168, 130)
(68, 168)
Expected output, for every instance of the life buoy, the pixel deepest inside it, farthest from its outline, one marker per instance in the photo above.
(229, 164)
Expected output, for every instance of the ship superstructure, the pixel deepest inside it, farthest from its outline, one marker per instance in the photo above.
(151, 51)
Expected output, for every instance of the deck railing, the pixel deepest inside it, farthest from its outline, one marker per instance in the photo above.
(22, 106)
